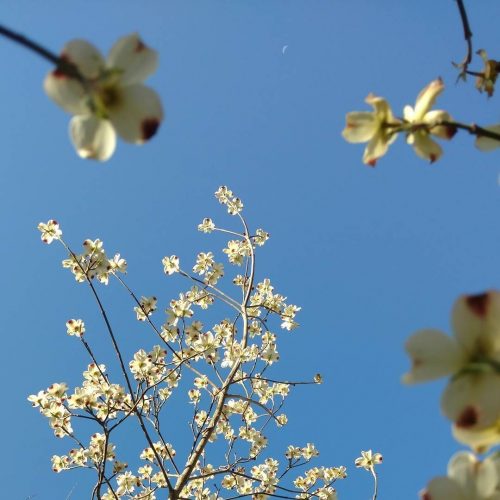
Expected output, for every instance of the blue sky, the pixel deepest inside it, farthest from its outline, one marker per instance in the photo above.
(371, 255)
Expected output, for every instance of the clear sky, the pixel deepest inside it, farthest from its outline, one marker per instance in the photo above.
(371, 255)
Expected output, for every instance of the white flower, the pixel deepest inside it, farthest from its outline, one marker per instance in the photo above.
(423, 120)
(50, 231)
(472, 359)
(372, 127)
(468, 479)
(171, 264)
(368, 460)
(111, 97)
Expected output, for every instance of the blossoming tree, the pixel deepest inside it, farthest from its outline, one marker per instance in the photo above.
(226, 369)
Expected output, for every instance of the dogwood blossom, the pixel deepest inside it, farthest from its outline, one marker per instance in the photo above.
(50, 231)
(368, 460)
(75, 327)
(472, 359)
(376, 128)
(424, 122)
(468, 479)
(146, 308)
(110, 98)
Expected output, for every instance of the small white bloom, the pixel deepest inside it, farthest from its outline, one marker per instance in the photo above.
(50, 231)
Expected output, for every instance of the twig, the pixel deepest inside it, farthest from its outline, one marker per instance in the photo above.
(62, 65)
(468, 39)
(472, 129)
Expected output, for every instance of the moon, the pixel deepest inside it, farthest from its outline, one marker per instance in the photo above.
(283, 50)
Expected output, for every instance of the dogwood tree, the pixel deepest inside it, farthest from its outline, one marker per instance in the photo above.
(225, 368)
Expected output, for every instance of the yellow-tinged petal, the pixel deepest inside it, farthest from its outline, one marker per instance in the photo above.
(479, 440)
(477, 478)
(66, 92)
(433, 355)
(476, 324)
(470, 399)
(443, 488)
(486, 143)
(381, 106)
(441, 131)
(408, 113)
(131, 56)
(85, 56)
(425, 147)
(361, 126)
(92, 137)
(426, 98)
(375, 149)
(139, 114)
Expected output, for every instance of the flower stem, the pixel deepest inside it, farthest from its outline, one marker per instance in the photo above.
(64, 66)
(375, 480)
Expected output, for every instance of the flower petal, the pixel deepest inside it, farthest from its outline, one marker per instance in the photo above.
(443, 488)
(441, 131)
(382, 109)
(486, 143)
(476, 323)
(92, 137)
(424, 146)
(139, 115)
(426, 98)
(137, 61)
(85, 56)
(433, 354)
(376, 148)
(361, 126)
(477, 478)
(479, 440)
(468, 400)
(66, 92)
(408, 113)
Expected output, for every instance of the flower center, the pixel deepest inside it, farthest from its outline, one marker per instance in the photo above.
(105, 93)
(110, 96)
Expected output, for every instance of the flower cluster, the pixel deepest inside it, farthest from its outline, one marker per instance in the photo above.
(109, 97)
(52, 404)
(94, 263)
(380, 128)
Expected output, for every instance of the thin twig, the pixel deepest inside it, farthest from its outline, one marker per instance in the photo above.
(62, 65)
(468, 39)
(472, 129)
(121, 362)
